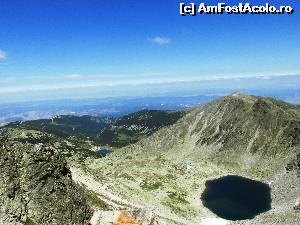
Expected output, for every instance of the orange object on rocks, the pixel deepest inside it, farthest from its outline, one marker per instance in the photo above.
(124, 218)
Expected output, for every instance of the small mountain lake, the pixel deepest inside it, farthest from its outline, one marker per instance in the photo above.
(104, 152)
(236, 198)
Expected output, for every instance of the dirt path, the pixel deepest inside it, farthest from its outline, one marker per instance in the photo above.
(101, 189)
(120, 204)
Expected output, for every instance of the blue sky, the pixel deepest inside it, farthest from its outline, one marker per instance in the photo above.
(71, 47)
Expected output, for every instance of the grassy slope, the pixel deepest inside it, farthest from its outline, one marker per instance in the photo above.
(244, 135)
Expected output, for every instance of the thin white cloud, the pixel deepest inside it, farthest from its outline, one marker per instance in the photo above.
(3, 55)
(115, 83)
(160, 40)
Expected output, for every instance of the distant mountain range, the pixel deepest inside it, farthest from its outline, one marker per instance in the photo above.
(110, 107)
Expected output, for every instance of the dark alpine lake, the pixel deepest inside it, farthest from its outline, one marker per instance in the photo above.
(236, 198)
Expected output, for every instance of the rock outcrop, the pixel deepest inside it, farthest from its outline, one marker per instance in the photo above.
(36, 186)
(297, 205)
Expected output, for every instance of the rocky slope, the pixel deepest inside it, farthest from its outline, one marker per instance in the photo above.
(36, 186)
(243, 135)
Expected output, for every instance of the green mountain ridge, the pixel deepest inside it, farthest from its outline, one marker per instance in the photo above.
(136, 126)
(67, 125)
(114, 132)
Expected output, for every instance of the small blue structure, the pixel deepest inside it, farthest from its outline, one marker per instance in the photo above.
(187, 166)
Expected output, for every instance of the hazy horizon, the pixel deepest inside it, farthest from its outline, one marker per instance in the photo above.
(266, 85)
